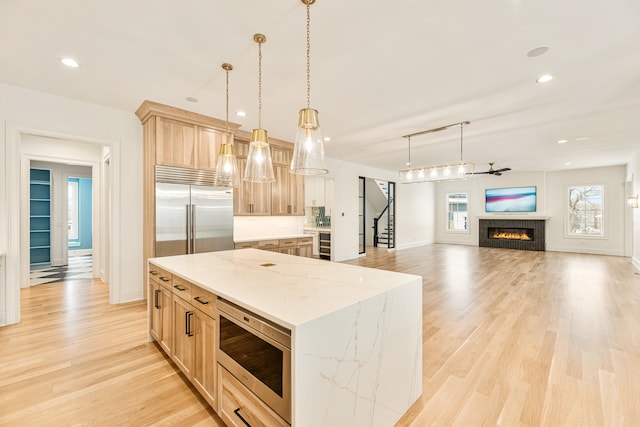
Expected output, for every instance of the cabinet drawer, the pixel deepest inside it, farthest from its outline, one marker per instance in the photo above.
(182, 288)
(203, 300)
(268, 244)
(243, 245)
(288, 243)
(160, 275)
(239, 407)
(302, 241)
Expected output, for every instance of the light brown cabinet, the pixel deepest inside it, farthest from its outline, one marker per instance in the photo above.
(182, 319)
(239, 407)
(301, 246)
(305, 247)
(283, 197)
(160, 314)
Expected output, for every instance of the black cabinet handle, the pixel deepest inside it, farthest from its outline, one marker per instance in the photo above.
(200, 301)
(153, 272)
(164, 279)
(237, 412)
(178, 287)
(187, 323)
(157, 291)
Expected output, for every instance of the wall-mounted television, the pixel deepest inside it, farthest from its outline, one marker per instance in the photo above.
(513, 199)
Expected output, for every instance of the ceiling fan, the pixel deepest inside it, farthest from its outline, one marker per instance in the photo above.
(492, 171)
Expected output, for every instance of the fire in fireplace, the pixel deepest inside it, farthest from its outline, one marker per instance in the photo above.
(511, 233)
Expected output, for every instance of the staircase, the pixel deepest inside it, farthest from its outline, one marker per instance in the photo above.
(383, 236)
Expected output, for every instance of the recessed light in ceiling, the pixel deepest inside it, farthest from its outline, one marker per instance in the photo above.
(567, 163)
(70, 62)
(326, 139)
(545, 78)
(562, 141)
(191, 99)
(537, 51)
(241, 114)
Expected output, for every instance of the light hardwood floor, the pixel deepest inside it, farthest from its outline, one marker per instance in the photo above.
(511, 338)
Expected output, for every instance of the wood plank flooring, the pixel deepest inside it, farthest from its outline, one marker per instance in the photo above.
(511, 338)
(520, 338)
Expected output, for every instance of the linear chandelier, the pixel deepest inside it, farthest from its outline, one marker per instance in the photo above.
(446, 172)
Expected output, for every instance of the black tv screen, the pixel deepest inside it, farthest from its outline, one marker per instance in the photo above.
(513, 199)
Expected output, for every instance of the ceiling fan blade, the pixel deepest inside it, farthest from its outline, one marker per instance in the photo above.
(480, 173)
(502, 170)
(497, 173)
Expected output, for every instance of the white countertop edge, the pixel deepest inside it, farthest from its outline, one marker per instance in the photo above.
(517, 217)
(278, 237)
(286, 309)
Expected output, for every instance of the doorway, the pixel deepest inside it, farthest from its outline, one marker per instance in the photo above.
(376, 213)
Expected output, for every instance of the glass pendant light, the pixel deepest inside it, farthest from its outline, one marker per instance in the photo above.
(308, 153)
(227, 174)
(259, 167)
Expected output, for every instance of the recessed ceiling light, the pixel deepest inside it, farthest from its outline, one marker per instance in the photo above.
(191, 99)
(70, 62)
(327, 139)
(537, 51)
(562, 141)
(241, 114)
(567, 163)
(545, 78)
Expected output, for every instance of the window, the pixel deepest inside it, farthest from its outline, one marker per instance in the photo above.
(457, 212)
(586, 211)
(72, 204)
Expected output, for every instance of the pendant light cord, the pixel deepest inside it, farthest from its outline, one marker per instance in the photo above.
(259, 85)
(227, 106)
(461, 126)
(409, 162)
(308, 54)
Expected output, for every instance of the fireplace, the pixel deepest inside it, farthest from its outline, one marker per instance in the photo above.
(525, 234)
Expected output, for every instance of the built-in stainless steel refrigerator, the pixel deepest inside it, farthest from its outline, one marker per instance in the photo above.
(193, 218)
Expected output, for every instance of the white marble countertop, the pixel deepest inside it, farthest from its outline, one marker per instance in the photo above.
(318, 229)
(291, 292)
(278, 237)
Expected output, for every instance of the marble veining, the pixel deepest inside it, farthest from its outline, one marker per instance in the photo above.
(356, 333)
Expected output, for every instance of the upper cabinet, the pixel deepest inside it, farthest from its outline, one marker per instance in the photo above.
(187, 145)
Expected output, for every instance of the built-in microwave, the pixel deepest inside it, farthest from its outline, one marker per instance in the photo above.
(258, 353)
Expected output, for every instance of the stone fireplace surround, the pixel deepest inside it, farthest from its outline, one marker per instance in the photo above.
(535, 224)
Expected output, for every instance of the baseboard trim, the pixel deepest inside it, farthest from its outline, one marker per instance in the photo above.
(636, 263)
(80, 252)
(586, 251)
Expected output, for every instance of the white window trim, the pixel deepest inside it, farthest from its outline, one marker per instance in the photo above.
(74, 190)
(567, 234)
(446, 214)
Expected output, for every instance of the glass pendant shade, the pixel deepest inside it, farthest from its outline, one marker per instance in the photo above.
(259, 167)
(308, 152)
(227, 174)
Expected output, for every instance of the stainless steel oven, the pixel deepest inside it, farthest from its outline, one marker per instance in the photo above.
(258, 353)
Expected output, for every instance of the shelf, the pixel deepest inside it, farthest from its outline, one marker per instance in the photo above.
(40, 247)
(40, 216)
(39, 200)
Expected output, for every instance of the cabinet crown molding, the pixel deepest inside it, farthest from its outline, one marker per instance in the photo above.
(149, 109)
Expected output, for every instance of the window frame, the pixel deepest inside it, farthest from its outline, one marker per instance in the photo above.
(446, 213)
(73, 210)
(567, 222)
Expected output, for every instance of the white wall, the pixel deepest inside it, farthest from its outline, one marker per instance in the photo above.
(475, 188)
(414, 209)
(266, 227)
(633, 176)
(614, 205)
(27, 112)
(551, 201)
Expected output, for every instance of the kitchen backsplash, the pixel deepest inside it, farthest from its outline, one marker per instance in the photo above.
(315, 217)
(249, 227)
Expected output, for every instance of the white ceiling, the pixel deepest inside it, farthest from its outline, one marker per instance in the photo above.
(380, 69)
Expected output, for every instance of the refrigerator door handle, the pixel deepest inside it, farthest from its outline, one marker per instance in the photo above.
(193, 229)
(188, 228)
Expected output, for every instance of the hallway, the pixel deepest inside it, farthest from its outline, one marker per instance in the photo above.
(79, 267)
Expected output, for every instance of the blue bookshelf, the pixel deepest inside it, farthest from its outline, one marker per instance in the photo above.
(40, 216)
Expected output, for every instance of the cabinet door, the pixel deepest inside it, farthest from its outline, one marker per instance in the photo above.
(183, 333)
(175, 143)
(280, 204)
(241, 194)
(208, 148)
(160, 325)
(250, 198)
(204, 363)
(296, 194)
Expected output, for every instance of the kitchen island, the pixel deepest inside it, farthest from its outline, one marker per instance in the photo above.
(356, 333)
